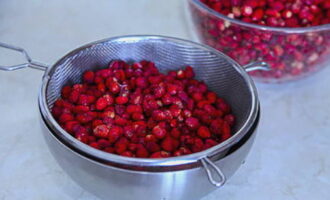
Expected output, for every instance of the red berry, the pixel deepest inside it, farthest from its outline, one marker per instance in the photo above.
(158, 115)
(65, 117)
(121, 100)
(150, 138)
(198, 145)
(88, 76)
(159, 132)
(95, 145)
(169, 144)
(211, 97)
(152, 147)
(216, 126)
(103, 143)
(175, 133)
(81, 109)
(230, 119)
(70, 126)
(113, 86)
(204, 132)
(82, 137)
(189, 72)
(141, 82)
(180, 74)
(74, 96)
(258, 14)
(225, 130)
(247, 10)
(133, 109)
(137, 116)
(137, 65)
(175, 110)
(197, 96)
(101, 103)
(109, 149)
(155, 79)
(101, 131)
(117, 64)
(128, 131)
(160, 154)
(209, 143)
(142, 152)
(192, 122)
(127, 154)
(121, 145)
(172, 89)
(65, 92)
(114, 133)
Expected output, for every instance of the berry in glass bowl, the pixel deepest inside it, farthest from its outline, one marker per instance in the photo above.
(292, 36)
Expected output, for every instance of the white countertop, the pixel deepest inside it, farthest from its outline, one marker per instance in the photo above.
(289, 160)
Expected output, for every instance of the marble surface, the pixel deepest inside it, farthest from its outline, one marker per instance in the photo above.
(289, 161)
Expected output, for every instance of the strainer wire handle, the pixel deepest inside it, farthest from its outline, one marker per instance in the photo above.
(259, 65)
(30, 63)
(207, 164)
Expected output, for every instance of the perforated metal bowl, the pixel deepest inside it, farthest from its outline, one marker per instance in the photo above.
(170, 178)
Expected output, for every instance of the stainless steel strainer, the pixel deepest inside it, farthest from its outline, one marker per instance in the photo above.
(223, 75)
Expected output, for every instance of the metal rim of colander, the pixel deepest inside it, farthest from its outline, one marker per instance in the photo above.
(172, 161)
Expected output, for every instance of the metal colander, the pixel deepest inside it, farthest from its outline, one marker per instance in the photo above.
(223, 76)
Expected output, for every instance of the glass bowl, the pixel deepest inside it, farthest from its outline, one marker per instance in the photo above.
(293, 53)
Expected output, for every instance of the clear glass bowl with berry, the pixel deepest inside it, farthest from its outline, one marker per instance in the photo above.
(292, 36)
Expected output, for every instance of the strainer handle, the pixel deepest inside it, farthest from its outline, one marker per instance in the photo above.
(30, 62)
(208, 164)
(259, 65)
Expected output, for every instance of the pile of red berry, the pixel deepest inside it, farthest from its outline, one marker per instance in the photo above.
(136, 111)
(291, 55)
(279, 13)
